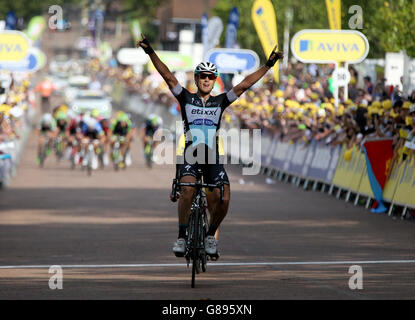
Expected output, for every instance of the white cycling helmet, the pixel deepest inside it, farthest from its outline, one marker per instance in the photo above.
(47, 117)
(89, 121)
(206, 67)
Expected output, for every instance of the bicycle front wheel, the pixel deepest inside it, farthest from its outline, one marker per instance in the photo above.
(195, 244)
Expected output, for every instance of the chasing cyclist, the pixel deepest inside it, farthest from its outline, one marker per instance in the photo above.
(151, 125)
(202, 112)
(121, 128)
(91, 130)
(46, 129)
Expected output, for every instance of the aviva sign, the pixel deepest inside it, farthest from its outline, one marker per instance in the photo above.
(327, 46)
(14, 46)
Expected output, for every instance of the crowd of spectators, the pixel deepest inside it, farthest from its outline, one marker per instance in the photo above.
(16, 101)
(302, 106)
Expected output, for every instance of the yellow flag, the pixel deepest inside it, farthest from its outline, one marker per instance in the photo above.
(334, 14)
(265, 22)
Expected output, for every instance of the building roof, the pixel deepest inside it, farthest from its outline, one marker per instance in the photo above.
(185, 9)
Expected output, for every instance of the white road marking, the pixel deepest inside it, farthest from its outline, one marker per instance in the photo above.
(218, 264)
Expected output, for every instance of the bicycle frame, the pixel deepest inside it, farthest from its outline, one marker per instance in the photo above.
(198, 224)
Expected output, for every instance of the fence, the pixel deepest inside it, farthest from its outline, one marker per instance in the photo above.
(11, 151)
(314, 165)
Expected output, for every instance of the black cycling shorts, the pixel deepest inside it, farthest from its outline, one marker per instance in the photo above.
(212, 173)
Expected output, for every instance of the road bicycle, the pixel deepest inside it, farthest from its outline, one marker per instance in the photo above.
(198, 223)
(59, 146)
(91, 158)
(148, 151)
(45, 150)
(116, 154)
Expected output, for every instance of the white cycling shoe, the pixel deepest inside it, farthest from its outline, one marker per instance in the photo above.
(179, 247)
(211, 246)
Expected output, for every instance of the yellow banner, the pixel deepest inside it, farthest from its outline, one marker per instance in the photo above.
(326, 46)
(340, 173)
(334, 14)
(14, 46)
(404, 194)
(393, 180)
(265, 22)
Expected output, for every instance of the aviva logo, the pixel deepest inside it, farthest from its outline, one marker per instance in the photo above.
(14, 46)
(327, 46)
(308, 45)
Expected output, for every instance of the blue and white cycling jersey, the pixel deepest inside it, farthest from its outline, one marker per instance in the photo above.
(201, 118)
(96, 128)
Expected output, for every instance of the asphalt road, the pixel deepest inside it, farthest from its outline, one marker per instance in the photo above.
(112, 233)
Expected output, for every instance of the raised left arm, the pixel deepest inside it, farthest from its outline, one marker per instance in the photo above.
(251, 79)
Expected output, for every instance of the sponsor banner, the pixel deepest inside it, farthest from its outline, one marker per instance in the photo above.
(328, 46)
(135, 29)
(364, 187)
(359, 167)
(404, 194)
(232, 28)
(213, 33)
(322, 161)
(299, 158)
(233, 60)
(265, 22)
(394, 68)
(14, 46)
(334, 14)
(340, 174)
(34, 61)
(132, 56)
(11, 20)
(35, 27)
(393, 180)
(176, 61)
(204, 22)
(379, 157)
(266, 144)
(279, 156)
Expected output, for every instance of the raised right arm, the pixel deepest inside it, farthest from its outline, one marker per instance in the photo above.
(158, 64)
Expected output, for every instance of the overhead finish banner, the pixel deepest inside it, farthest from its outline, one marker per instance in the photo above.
(263, 16)
(334, 14)
(232, 28)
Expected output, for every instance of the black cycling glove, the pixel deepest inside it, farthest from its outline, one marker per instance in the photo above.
(149, 49)
(272, 60)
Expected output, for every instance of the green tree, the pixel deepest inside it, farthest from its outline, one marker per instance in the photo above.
(388, 25)
(29, 9)
(392, 27)
(145, 11)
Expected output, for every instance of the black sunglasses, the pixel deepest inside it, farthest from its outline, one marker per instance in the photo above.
(211, 76)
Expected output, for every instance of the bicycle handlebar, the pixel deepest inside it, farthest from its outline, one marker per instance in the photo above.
(177, 185)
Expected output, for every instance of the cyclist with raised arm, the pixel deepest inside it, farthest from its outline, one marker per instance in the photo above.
(202, 112)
